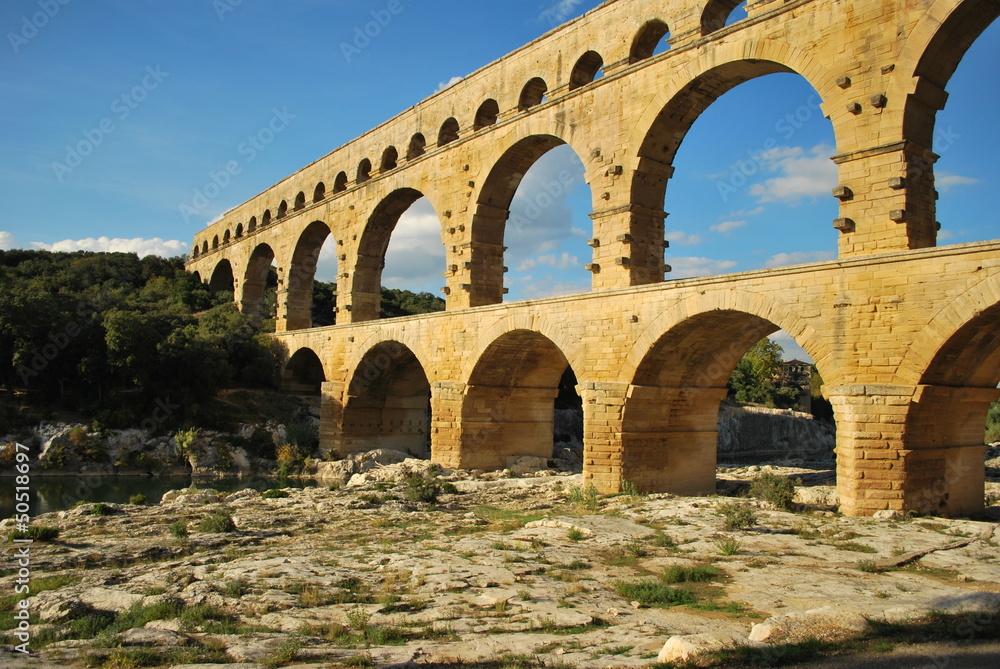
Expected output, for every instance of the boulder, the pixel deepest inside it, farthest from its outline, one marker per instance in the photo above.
(680, 648)
(525, 464)
(153, 637)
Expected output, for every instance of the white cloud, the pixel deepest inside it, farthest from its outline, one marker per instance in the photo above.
(805, 174)
(7, 241)
(727, 227)
(565, 261)
(791, 348)
(560, 11)
(548, 287)
(448, 84)
(415, 258)
(684, 239)
(945, 235)
(945, 182)
(799, 258)
(141, 247)
(689, 268)
(756, 211)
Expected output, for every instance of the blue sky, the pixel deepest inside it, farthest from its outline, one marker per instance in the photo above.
(164, 94)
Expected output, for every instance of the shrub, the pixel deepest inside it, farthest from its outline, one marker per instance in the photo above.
(736, 516)
(729, 546)
(663, 540)
(138, 499)
(219, 522)
(274, 494)
(778, 490)
(586, 497)
(696, 574)
(101, 509)
(179, 529)
(869, 567)
(652, 592)
(574, 534)
(41, 533)
(419, 489)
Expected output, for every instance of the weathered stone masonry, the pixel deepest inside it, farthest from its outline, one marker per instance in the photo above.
(903, 333)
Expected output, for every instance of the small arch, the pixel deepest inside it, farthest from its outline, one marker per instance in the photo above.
(417, 148)
(340, 183)
(364, 171)
(388, 403)
(718, 14)
(449, 132)
(239, 231)
(266, 219)
(252, 225)
(196, 275)
(301, 278)
(204, 248)
(194, 252)
(320, 193)
(255, 282)
(304, 374)
(215, 242)
(282, 210)
(648, 39)
(300, 201)
(487, 114)
(586, 70)
(222, 278)
(533, 94)
(390, 159)
(226, 237)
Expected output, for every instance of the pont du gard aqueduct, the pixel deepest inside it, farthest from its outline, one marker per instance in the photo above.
(905, 333)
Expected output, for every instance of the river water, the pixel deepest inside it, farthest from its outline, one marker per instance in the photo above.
(63, 492)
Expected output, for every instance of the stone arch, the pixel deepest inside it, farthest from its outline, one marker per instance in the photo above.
(204, 248)
(716, 13)
(197, 276)
(255, 281)
(670, 415)
(252, 225)
(227, 237)
(215, 242)
(417, 148)
(508, 406)
(449, 132)
(195, 251)
(587, 67)
(239, 231)
(533, 94)
(928, 359)
(282, 210)
(486, 115)
(507, 168)
(366, 288)
(223, 279)
(300, 201)
(265, 220)
(364, 171)
(388, 402)
(340, 183)
(647, 39)
(319, 193)
(302, 275)
(935, 47)
(390, 159)
(303, 374)
(669, 118)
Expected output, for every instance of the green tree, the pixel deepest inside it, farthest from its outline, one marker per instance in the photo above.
(756, 379)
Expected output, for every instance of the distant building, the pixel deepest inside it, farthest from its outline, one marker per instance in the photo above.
(798, 374)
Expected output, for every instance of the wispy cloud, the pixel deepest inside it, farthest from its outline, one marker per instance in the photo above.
(564, 261)
(7, 241)
(690, 268)
(141, 247)
(448, 84)
(805, 174)
(683, 239)
(727, 227)
(560, 11)
(799, 258)
(945, 182)
(416, 255)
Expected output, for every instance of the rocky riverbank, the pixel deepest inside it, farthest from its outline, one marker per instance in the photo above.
(410, 563)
